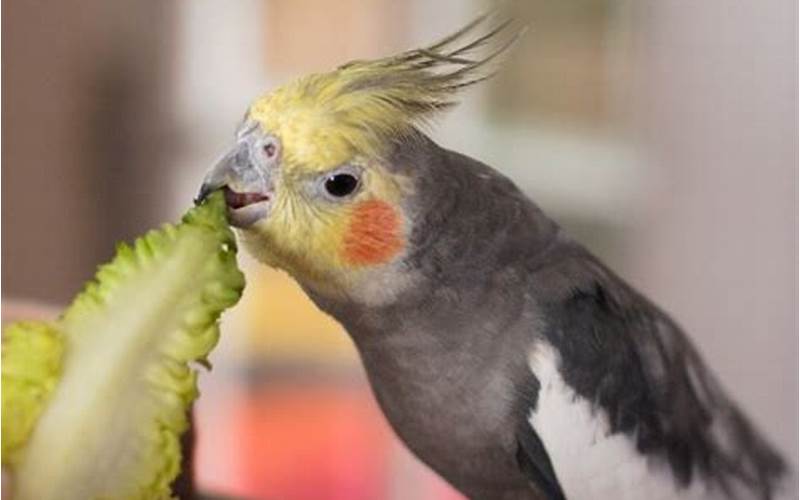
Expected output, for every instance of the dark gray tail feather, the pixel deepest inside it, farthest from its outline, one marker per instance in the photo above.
(628, 357)
(734, 455)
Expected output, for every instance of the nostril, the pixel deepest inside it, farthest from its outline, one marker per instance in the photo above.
(236, 200)
(242, 157)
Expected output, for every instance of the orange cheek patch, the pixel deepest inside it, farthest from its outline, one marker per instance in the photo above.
(374, 233)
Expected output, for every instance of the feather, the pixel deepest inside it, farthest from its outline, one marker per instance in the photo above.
(363, 106)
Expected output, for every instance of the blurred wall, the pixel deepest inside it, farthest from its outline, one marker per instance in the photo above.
(717, 106)
(85, 130)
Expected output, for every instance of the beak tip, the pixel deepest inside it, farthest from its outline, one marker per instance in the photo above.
(205, 190)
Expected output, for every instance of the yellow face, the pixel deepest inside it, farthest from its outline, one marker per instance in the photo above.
(308, 180)
(307, 198)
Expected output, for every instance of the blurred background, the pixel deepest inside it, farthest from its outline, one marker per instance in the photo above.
(663, 134)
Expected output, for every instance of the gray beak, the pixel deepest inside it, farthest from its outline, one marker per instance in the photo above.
(246, 179)
(206, 189)
(226, 171)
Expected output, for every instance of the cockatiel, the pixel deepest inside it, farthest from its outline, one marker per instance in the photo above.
(506, 356)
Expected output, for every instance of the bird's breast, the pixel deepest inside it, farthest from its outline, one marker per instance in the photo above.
(453, 419)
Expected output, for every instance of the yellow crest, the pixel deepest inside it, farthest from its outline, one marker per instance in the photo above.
(357, 109)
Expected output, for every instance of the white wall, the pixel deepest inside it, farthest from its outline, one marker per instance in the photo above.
(718, 109)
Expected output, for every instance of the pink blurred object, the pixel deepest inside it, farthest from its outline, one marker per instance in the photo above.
(306, 441)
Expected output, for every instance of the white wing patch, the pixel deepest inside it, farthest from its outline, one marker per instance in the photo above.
(590, 463)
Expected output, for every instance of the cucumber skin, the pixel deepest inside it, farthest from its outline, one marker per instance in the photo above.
(198, 256)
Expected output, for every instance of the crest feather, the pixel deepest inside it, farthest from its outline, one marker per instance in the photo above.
(414, 85)
(362, 106)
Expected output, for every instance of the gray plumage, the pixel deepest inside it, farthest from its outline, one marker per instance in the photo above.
(449, 359)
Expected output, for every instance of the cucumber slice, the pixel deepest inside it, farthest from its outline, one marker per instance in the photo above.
(111, 425)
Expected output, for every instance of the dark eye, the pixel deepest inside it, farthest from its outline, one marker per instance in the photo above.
(270, 149)
(340, 185)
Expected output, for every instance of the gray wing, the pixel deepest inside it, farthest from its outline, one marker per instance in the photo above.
(633, 362)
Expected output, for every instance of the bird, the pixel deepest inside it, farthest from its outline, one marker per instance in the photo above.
(502, 352)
